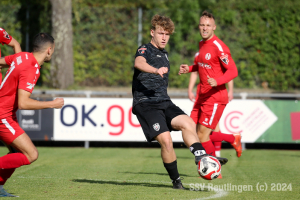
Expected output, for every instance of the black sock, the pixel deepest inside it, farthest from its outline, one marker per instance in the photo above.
(197, 149)
(172, 170)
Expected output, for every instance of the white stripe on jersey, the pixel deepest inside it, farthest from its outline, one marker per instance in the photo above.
(218, 45)
(12, 67)
(213, 114)
(196, 54)
(12, 130)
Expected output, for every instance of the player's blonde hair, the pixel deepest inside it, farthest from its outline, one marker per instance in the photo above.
(162, 21)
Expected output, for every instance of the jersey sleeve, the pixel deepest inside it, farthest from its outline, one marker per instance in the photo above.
(9, 59)
(4, 37)
(230, 68)
(28, 78)
(143, 51)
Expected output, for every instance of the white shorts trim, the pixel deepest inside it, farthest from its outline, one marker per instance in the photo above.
(12, 130)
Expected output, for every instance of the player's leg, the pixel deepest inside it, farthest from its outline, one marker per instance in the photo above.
(15, 138)
(178, 120)
(217, 144)
(234, 139)
(189, 136)
(154, 126)
(203, 133)
(26, 155)
(169, 158)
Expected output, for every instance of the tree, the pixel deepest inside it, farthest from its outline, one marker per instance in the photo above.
(62, 72)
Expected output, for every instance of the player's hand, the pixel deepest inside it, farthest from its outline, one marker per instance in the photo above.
(211, 81)
(161, 71)
(230, 95)
(192, 96)
(58, 102)
(183, 69)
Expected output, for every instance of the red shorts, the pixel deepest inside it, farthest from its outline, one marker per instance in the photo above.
(207, 114)
(10, 130)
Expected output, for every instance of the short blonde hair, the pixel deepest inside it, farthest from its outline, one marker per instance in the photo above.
(165, 22)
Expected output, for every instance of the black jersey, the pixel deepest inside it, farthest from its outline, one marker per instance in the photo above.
(148, 87)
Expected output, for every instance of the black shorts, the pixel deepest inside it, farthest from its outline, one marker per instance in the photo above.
(155, 118)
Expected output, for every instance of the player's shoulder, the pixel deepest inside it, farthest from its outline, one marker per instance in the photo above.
(144, 50)
(2, 29)
(220, 45)
(25, 58)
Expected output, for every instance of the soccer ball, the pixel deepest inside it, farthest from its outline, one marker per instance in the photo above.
(209, 168)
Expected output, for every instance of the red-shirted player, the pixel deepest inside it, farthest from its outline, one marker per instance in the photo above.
(5, 38)
(15, 91)
(215, 67)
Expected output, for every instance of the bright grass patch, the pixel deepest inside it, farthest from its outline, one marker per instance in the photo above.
(136, 173)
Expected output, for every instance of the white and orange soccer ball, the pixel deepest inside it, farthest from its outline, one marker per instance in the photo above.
(209, 168)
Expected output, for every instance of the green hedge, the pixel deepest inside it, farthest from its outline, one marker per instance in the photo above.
(262, 35)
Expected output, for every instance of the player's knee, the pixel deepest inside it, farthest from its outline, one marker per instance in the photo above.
(167, 144)
(33, 156)
(189, 125)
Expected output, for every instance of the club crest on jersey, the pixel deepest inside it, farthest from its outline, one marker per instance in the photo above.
(30, 85)
(142, 50)
(207, 56)
(224, 59)
(156, 126)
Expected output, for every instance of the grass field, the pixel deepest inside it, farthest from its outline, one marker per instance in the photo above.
(137, 173)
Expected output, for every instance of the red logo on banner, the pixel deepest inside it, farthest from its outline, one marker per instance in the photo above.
(295, 126)
(232, 120)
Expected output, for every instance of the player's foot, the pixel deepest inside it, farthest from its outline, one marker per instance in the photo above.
(237, 144)
(3, 193)
(220, 176)
(177, 184)
(222, 161)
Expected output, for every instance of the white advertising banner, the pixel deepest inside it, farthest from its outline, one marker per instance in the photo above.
(111, 119)
(251, 118)
(103, 119)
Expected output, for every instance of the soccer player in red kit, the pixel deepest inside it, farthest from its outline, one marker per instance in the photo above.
(233, 139)
(215, 67)
(15, 91)
(5, 38)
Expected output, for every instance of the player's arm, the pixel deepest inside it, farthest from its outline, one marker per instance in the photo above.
(193, 79)
(3, 64)
(15, 45)
(6, 61)
(141, 64)
(26, 103)
(230, 90)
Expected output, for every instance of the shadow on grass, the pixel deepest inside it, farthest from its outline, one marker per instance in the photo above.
(124, 183)
(161, 174)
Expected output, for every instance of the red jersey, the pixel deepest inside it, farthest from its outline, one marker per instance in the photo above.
(213, 60)
(23, 73)
(4, 38)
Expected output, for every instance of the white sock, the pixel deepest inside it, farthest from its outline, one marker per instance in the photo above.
(218, 153)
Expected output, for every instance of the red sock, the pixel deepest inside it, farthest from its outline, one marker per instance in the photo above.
(209, 148)
(217, 146)
(219, 137)
(5, 174)
(13, 160)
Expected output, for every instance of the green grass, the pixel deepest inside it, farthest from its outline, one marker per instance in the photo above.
(135, 173)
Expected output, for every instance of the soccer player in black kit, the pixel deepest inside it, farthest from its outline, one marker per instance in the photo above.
(152, 105)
